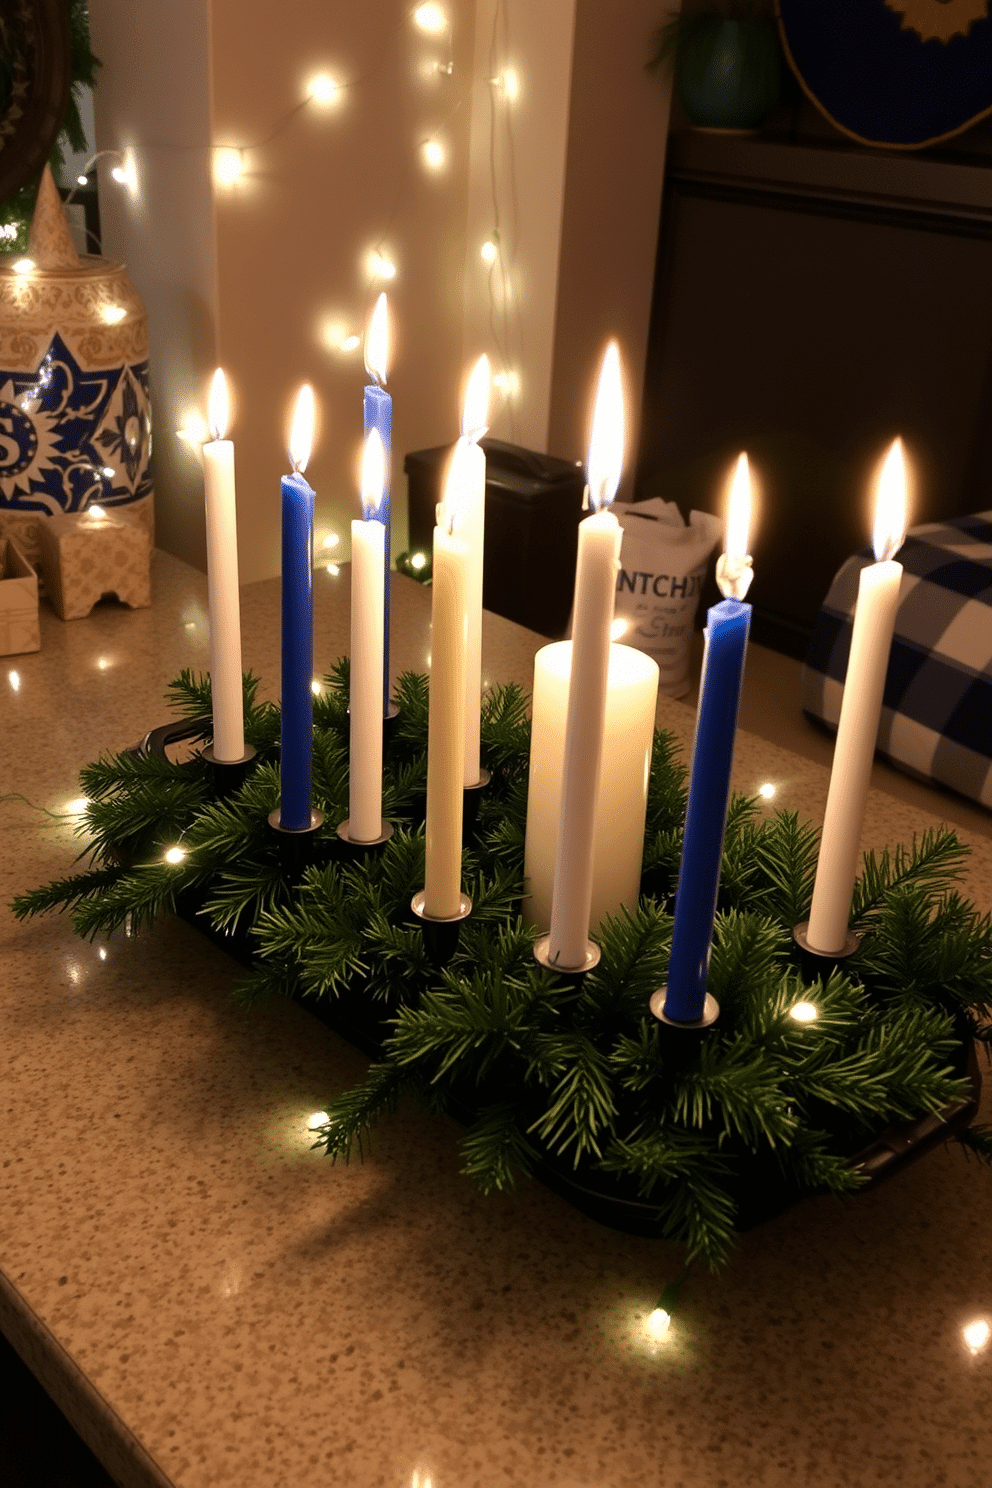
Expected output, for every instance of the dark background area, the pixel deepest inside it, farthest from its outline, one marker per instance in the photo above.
(814, 298)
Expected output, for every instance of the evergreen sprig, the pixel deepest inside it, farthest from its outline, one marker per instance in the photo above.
(551, 1076)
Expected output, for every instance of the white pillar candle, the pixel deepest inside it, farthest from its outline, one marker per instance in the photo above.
(446, 714)
(222, 580)
(861, 708)
(368, 546)
(471, 461)
(592, 618)
(621, 803)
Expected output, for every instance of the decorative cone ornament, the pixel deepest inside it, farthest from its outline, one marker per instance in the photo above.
(75, 419)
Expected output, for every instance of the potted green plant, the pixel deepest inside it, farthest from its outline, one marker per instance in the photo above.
(727, 60)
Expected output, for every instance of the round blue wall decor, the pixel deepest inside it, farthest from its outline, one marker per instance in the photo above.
(900, 73)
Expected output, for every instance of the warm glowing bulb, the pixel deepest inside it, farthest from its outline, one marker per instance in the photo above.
(434, 154)
(508, 383)
(890, 505)
(804, 1012)
(331, 540)
(126, 174)
(488, 252)
(606, 443)
(977, 1334)
(333, 570)
(766, 791)
(418, 561)
(194, 431)
(301, 434)
(218, 406)
(102, 953)
(229, 166)
(657, 1325)
(174, 855)
(324, 89)
(14, 678)
(377, 341)
(317, 1120)
(315, 687)
(510, 83)
(78, 806)
(378, 266)
(96, 510)
(113, 314)
(475, 409)
(22, 265)
(351, 343)
(430, 18)
(373, 474)
(81, 180)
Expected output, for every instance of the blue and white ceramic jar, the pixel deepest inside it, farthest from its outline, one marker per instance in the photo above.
(75, 419)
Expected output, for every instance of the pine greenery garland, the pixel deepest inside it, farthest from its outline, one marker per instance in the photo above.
(574, 1079)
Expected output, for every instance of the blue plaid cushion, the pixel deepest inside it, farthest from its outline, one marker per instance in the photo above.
(937, 710)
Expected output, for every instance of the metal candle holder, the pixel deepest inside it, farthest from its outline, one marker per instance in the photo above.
(296, 847)
(441, 934)
(229, 775)
(819, 964)
(542, 954)
(359, 849)
(711, 1011)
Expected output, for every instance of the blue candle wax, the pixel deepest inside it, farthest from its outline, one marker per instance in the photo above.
(379, 415)
(296, 786)
(706, 817)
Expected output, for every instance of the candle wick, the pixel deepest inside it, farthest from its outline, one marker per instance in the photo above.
(734, 575)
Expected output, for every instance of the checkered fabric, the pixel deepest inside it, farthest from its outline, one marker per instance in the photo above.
(937, 710)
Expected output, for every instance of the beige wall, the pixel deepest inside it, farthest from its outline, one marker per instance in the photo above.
(153, 98)
(292, 240)
(526, 176)
(252, 275)
(618, 126)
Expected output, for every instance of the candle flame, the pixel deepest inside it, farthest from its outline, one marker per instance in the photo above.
(733, 569)
(475, 411)
(377, 341)
(451, 508)
(606, 444)
(890, 504)
(373, 474)
(218, 406)
(301, 435)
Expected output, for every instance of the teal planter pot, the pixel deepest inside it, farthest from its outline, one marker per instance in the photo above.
(728, 73)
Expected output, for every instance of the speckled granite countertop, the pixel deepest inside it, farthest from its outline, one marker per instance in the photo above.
(211, 1303)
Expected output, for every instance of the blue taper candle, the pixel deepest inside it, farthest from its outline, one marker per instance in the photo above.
(379, 415)
(727, 629)
(296, 781)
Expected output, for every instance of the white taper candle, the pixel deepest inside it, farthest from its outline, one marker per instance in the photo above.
(592, 617)
(222, 580)
(368, 541)
(471, 473)
(446, 727)
(861, 708)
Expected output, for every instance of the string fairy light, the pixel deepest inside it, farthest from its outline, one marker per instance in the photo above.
(322, 90)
